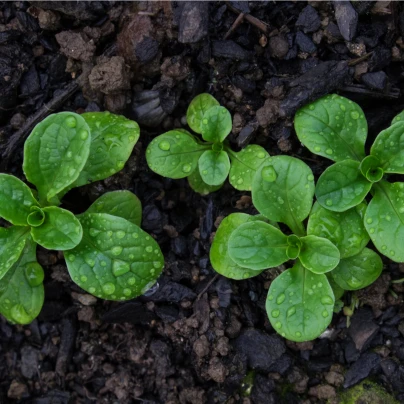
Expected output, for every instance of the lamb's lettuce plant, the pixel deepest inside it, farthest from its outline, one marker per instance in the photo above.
(336, 128)
(207, 164)
(329, 252)
(107, 253)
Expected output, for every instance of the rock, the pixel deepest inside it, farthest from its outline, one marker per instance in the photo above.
(217, 371)
(230, 50)
(309, 20)
(201, 346)
(76, 45)
(381, 57)
(147, 109)
(246, 85)
(347, 19)
(278, 46)
(110, 76)
(78, 10)
(17, 120)
(194, 22)
(298, 379)
(361, 369)
(262, 390)
(323, 392)
(85, 299)
(170, 291)
(17, 390)
(29, 361)
(282, 365)
(269, 113)
(375, 81)
(304, 43)
(130, 312)
(362, 328)
(260, 349)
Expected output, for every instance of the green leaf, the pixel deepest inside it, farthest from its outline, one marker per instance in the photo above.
(113, 138)
(319, 255)
(123, 204)
(12, 242)
(370, 168)
(219, 252)
(345, 230)
(21, 289)
(244, 165)
(214, 167)
(196, 183)
(197, 108)
(16, 200)
(384, 219)
(258, 246)
(55, 153)
(388, 148)
(338, 291)
(358, 271)
(59, 231)
(398, 118)
(300, 304)
(282, 190)
(216, 124)
(342, 186)
(116, 260)
(174, 154)
(333, 127)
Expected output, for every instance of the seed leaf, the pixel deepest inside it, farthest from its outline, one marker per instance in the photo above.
(21, 289)
(333, 127)
(345, 230)
(214, 167)
(358, 271)
(123, 204)
(219, 252)
(16, 200)
(342, 186)
(12, 242)
(197, 108)
(258, 246)
(384, 219)
(283, 189)
(244, 165)
(216, 124)
(174, 154)
(319, 255)
(59, 231)
(196, 183)
(300, 304)
(116, 260)
(388, 147)
(55, 153)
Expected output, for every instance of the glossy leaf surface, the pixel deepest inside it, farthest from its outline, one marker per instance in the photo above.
(216, 124)
(214, 167)
(198, 185)
(197, 108)
(398, 118)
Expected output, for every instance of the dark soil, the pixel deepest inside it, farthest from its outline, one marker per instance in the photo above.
(196, 337)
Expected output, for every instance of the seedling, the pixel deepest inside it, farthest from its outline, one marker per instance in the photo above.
(108, 255)
(179, 154)
(330, 255)
(335, 127)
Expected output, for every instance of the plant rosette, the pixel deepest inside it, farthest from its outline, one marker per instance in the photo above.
(179, 154)
(330, 254)
(108, 255)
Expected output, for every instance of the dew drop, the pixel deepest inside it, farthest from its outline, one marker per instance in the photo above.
(342, 107)
(34, 274)
(310, 177)
(392, 253)
(281, 298)
(388, 218)
(149, 248)
(205, 121)
(19, 314)
(329, 151)
(103, 263)
(69, 155)
(328, 202)
(157, 264)
(71, 122)
(317, 148)
(116, 250)
(240, 181)
(120, 234)
(325, 313)
(186, 168)
(278, 325)
(261, 155)
(135, 235)
(327, 300)
(120, 164)
(270, 297)
(71, 257)
(108, 288)
(384, 247)
(280, 200)
(164, 145)
(126, 292)
(72, 172)
(91, 289)
(120, 268)
(372, 230)
(369, 220)
(83, 278)
(290, 312)
(311, 107)
(354, 115)
(131, 281)
(268, 174)
(354, 282)
(90, 262)
(298, 334)
(83, 134)
(275, 313)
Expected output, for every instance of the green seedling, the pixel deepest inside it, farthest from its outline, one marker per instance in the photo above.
(207, 164)
(329, 253)
(107, 253)
(335, 127)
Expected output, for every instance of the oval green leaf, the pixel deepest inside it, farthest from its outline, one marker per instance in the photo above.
(282, 190)
(300, 304)
(16, 200)
(214, 167)
(338, 291)
(123, 204)
(116, 260)
(384, 219)
(319, 255)
(174, 154)
(195, 181)
(333, 127)
(258, 246)
(197, 108)
(219, 252)
(342, 186)
(244, 165)
(216, 124)
(345, 230)
(59, 231)
(358, 271)
(55, 153)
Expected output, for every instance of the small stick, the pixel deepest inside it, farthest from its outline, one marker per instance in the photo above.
(354, 62)
(252, 20)
(235, 25)
(207, 286)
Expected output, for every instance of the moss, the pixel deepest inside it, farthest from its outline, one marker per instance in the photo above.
(366, 393)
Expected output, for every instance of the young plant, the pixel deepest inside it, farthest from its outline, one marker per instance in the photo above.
(179, 154)
(300, 300)
(335, 127)
(108, 255)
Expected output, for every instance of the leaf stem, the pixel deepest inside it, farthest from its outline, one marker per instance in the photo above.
(297, 228)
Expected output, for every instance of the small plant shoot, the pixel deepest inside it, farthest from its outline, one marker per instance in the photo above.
(208, 162)
(107, 253)
(332, 245)
(335, 127)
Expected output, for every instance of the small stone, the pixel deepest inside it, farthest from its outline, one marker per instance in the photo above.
(85, 299)
(194, 22)
(361, 369)
(375, 81)
(238, 123)
(17, 120)
(268, 113)
(217, 371)
(76, 45)
(278, 47)
(304, 43)
(17, 390)
(347, 19)
(308, 20)
(29, 361)
(323, 392)
(201, 346)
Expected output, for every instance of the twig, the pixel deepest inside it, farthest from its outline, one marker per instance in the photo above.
(252, 20)
(207, 286)
(354, 62)
(235, 25)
